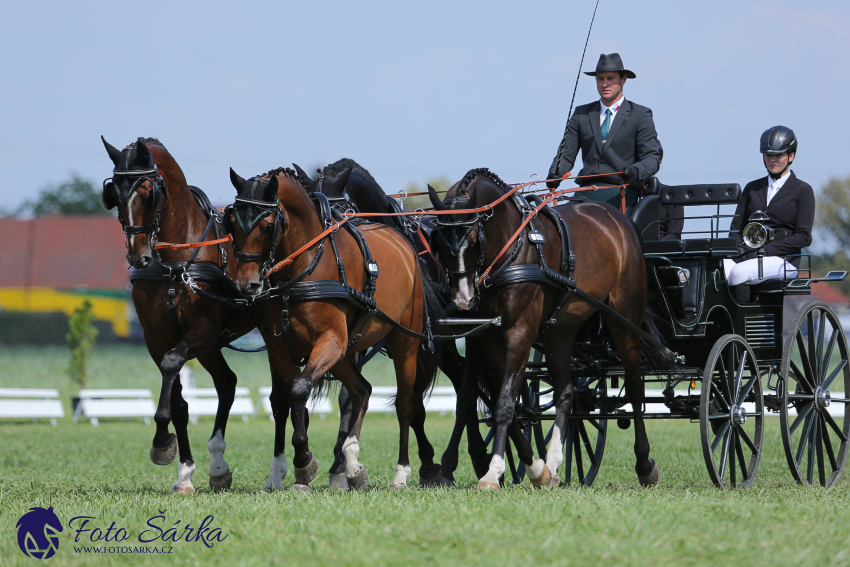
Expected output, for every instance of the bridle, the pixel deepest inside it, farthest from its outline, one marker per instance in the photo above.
(112, 197)
(454, 228)
(266, 208)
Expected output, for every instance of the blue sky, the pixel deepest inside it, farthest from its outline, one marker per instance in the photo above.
(411, 91)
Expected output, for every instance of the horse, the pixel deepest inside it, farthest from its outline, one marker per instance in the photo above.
(608, 265)
(315, 318)
(154, 203)
(364, 192)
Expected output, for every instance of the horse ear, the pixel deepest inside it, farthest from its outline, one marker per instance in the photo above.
(114, 153)
(304, 177)
(143, 154)
(270, 190)
(435, 199)
(237, 181)
(342, 181)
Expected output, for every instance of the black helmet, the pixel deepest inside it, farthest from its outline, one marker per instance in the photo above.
(778, 140)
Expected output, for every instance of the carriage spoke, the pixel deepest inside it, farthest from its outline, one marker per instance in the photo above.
(821, 475)
(579, 460)
(799, 376)
(804, 438)
(719, 395)
(829, 452)
(733, 481)
(596, 425)
(834, 426)
(724, 379)
(802, 416)
(828, 382)
(741, 460)
(739, 377)
(810, 468)
(720, 436)
(540, 440)
(804, 358)
(746, 390)
(825, 360)
(748, 441)
(819, 358)
(587, 445)
(812, 351)
(726, 442)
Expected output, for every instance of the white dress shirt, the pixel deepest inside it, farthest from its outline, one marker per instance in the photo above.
(614, 108)
(774, 185)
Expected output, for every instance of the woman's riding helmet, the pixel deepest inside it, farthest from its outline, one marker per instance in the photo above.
(778, 140)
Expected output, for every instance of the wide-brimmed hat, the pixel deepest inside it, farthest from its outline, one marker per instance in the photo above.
(610, 62)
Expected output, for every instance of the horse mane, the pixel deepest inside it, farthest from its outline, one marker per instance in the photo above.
(474, 174)
(288, 172)
(336, 168)
(131, 147)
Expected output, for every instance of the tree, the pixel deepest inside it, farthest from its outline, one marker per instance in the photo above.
(80, 339)
(833, 222)
(74, 197)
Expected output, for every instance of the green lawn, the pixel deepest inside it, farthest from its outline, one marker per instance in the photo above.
(105, 472)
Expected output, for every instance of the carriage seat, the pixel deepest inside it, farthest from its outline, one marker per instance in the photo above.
(689, 195)
(724, 247)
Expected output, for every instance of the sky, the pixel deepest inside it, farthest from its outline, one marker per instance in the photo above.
(411, 91)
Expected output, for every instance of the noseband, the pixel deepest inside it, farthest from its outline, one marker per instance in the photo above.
(266, 208)
(140, 176)
(456, 238)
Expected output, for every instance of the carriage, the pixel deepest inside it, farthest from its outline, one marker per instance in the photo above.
(743, 358)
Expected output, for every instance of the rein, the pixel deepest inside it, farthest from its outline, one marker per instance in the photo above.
(173, 246)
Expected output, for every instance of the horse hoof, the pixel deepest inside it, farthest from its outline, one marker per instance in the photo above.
(652, 478)
(489, 485)
(300, 487)
(430, 480)
(167, 454)
(546, 480)
(359, 480)
(398, 486)
(338, 482)
(448, 482)
(221, 482)
(183, 489)
(308, 473)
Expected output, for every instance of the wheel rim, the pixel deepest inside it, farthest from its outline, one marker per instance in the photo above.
(731, 413)
(814, 372)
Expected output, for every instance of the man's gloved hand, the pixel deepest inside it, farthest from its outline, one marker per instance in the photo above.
(631, 174)
(553, 184)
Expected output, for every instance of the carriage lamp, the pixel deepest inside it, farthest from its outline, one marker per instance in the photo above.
(756, 234)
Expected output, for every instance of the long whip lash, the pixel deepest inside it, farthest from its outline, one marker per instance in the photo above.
(578, 76)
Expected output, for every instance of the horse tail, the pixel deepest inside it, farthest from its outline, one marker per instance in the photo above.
(428, 355)
(656, 358)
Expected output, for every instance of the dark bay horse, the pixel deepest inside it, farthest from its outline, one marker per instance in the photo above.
(155, 203)
(609, 265)
(273, 217)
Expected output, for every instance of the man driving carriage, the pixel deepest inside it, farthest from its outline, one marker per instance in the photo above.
(614, 135)
(789, 204)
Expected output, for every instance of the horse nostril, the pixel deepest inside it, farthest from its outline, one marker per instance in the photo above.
(145, 261)
(254, 288)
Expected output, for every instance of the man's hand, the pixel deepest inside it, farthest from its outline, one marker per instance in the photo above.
(553, 184)
(631, 174)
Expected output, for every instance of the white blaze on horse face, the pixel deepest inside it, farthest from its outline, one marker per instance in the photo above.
(463, 295)
(351, 450)
(278, 473)
(402, 474)
(216, 447)
(497, 469)
(130, 220)
(184, 476)
(555, 454)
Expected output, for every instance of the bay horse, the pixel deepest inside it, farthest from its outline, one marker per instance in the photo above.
(608, 265)
(364, 191)
(155, 203)
(315, 318)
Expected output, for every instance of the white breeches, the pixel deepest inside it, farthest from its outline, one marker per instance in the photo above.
(747, 272)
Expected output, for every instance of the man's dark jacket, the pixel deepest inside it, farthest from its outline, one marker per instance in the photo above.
(632, 140)
(791, 212)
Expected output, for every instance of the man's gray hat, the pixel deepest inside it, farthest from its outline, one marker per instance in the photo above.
(610, 62)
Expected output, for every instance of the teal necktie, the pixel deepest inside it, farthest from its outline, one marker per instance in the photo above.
(606, 125)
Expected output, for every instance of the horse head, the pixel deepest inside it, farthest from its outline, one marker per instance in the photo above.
(137, 189)
(457, 241)
(257, 225)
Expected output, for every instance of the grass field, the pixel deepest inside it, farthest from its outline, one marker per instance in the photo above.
(105, 472)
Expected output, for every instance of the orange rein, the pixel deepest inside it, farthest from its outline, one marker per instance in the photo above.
(291, 258)
(174, 246)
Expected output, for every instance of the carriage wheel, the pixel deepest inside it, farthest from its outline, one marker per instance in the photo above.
(731, 413)
(814, 369)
